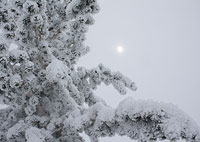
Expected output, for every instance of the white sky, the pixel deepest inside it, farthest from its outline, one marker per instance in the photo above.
(161, 40)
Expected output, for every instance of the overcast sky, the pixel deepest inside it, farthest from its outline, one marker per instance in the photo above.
(161, 41)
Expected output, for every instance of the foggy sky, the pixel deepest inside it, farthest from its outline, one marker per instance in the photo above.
(161, 40)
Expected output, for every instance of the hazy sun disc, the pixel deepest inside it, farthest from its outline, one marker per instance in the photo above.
(120, 49)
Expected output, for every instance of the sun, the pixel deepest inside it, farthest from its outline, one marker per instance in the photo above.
(120, 49)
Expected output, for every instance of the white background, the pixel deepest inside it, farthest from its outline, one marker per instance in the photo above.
(161, 40)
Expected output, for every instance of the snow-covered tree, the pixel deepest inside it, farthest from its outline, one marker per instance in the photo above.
(50, 100)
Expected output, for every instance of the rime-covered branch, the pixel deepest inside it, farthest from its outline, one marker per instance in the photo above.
(143, 121)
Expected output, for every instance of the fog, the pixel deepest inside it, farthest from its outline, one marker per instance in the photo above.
(161, 51)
